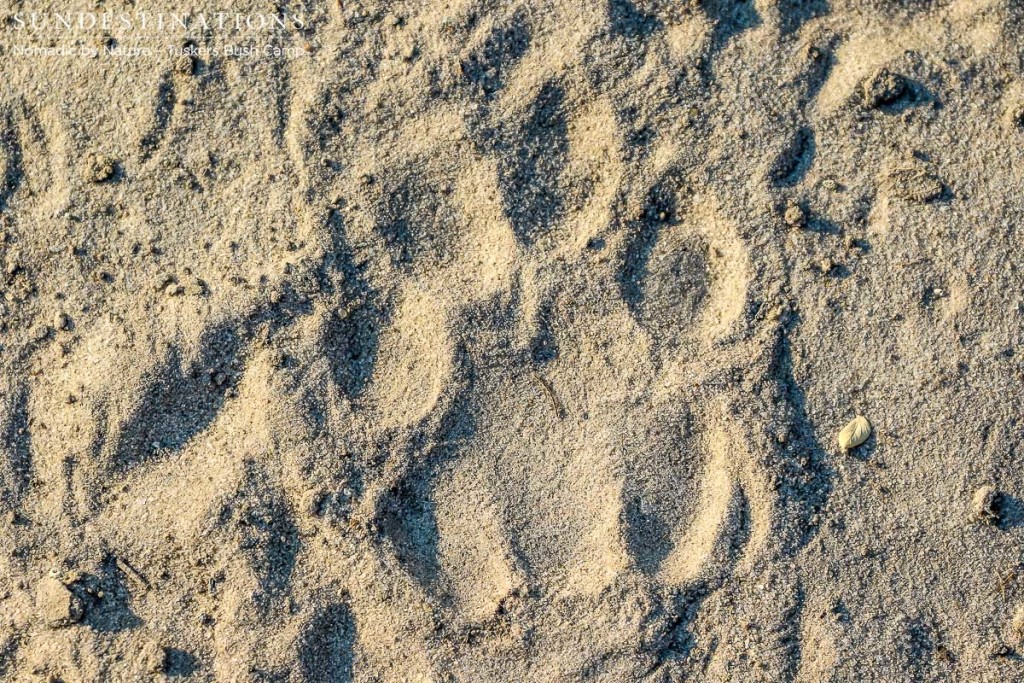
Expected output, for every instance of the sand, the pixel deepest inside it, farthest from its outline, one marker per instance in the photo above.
(481, 341)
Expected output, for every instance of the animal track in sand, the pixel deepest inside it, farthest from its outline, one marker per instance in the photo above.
(568, 491)
(491, 487)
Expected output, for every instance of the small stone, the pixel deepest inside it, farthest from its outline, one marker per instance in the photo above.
(884, 88)
(61, 321)
(985, 508)
(1000, 650)
(794, 216)
(854, 433)
(58, 605)
(99, 168)
(825, 266)
(40, 332)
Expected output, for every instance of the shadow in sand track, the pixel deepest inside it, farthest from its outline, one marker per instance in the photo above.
(406, 514)
(15, 450)
(11, 171)
(112, 612)
(163, 109)
(326, 650)
(180, 663)
(730, 18)
(530, 177)
(672, 640)
(648, 536)
(181, 400)
(795, 13)
(415, 217)
(352, 336)
(258, 522)
(660, 211)
(795, 160)
(629, 22)
(487, 67)
(544, 345)
(806, 491)
(351, 343)
(407, 518)
(268, 536)
(1011, 511)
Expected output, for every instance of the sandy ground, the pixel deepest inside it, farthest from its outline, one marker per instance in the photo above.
(512, 341)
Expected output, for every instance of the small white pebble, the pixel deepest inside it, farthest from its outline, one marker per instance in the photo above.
(985, 506)
(854, 433)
